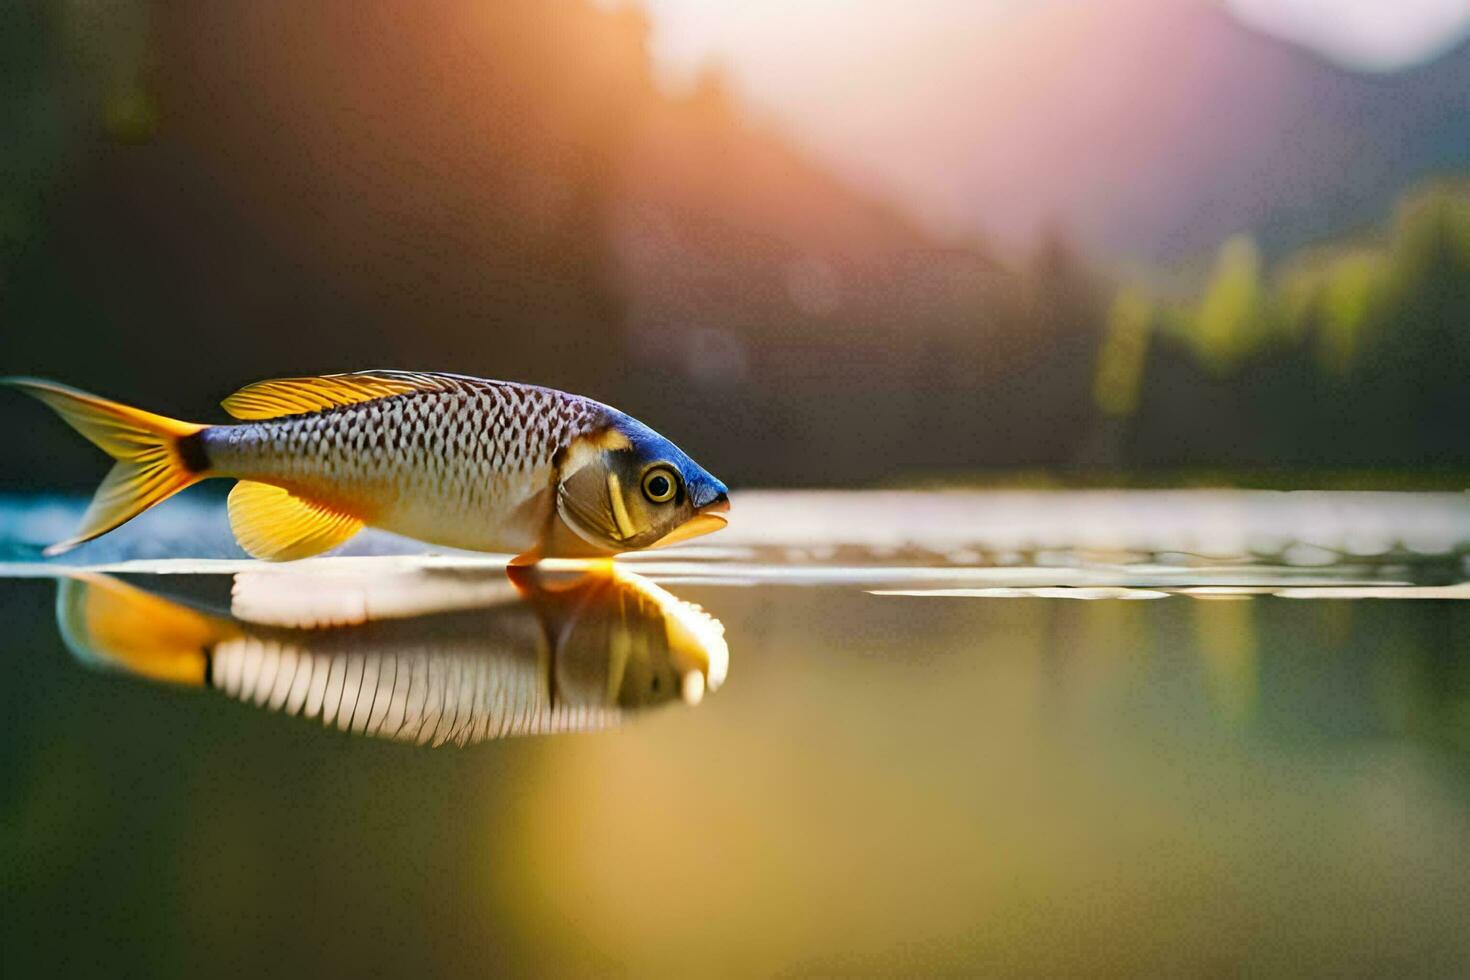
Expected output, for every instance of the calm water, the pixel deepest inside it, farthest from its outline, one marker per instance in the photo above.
(964, 733)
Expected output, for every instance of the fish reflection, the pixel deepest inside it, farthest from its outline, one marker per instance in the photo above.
(428, 656)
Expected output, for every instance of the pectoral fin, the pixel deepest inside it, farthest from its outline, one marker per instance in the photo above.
(275, 524)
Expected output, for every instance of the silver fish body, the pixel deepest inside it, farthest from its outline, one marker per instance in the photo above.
(469, 466)
(452, 460)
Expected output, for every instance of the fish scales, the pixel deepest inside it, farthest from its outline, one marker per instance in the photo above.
(428, 464)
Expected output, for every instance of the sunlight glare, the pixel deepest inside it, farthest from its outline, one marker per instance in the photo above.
(1372, 35)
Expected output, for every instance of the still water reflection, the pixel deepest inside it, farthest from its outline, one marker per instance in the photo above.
(912, 770)
(425, 656)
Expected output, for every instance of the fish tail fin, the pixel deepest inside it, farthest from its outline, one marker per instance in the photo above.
(107, 623)
(156, 456)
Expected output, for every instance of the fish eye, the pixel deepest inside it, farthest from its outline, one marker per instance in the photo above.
(659, 485)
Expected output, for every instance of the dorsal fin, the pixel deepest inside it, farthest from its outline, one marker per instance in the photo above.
(275, 524)
(297, 396)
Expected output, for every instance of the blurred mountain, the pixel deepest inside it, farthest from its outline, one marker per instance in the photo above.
(1155, 129)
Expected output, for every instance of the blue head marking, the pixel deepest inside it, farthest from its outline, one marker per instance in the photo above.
(651, 447)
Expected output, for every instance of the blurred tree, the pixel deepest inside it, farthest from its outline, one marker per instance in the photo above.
(1118, 377)
(1231, 316)
(1358, 356)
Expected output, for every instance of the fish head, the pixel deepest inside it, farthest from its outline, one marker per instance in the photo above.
(625, 487)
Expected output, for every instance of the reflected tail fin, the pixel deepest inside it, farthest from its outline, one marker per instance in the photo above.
(107, 623)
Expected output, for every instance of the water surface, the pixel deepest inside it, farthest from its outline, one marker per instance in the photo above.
(947, 735)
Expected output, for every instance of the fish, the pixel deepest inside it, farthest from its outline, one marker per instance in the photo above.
(450, 460)
(452, 657)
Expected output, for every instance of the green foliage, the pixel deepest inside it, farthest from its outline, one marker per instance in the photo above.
(1343, 300)
(1353, 352)
(1349, 293)
(1230, 321)
(1118, 380)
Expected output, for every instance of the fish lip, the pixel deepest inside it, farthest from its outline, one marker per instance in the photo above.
(701, 523)
(720, 505)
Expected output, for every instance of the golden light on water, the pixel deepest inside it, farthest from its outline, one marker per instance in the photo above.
(1079, 792)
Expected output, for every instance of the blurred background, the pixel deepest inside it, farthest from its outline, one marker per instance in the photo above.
(901, 242)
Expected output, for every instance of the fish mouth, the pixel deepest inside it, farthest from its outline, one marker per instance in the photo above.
(708, 519)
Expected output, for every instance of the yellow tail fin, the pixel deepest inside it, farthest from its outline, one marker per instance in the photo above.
(155, 460)
(109, 624)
